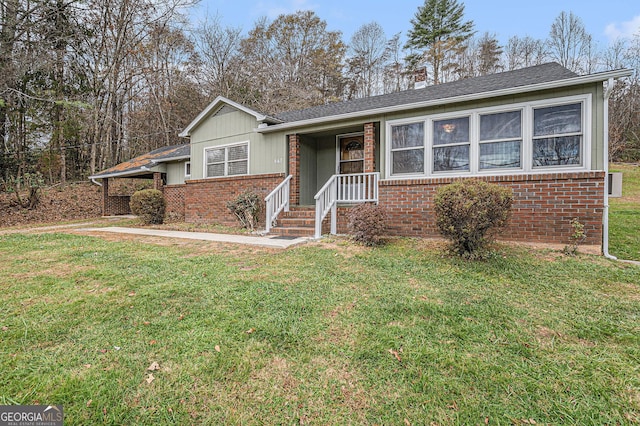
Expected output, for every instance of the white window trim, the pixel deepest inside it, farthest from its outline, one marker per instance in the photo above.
(474, 151)
(226, 161)
(187, 166)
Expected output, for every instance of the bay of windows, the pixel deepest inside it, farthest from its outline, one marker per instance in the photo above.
(227, 160)
(526, 137)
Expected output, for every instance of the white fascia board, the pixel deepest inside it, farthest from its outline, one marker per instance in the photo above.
(214, 105)
(574, 81)
(142, 170)
(170, 159)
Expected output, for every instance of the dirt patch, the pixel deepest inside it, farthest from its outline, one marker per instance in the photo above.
(60, 203)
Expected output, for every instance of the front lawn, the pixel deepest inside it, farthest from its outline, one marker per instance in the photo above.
(624, 214)
(326, 333)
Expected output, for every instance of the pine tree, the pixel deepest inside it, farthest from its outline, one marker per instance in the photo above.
(438, 29)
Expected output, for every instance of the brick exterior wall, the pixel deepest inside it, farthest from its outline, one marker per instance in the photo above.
(369, 147)
(294, 169)
(174, 197)
(158, 181)
(543, 206)
(206, 199)
(114, 205)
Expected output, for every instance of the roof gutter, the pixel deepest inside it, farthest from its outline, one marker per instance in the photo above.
(120, 174)
(605, 214)
(574, 81)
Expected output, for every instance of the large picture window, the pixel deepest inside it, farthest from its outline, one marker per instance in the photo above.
(523, 137)
(227, 161)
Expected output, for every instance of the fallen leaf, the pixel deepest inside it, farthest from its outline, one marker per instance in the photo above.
(181, 317)
(154, 366)
(150, 378)
(103, 351)
(146, 323)
(152, 342)
(87, 366)
(251, 330)
(133, 293)
(89, 402)
(395, 354)
(406, 422)
(117, 348)
(217, 348)
(486, 420)
(5, 328)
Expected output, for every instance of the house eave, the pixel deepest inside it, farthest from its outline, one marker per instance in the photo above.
(574, 81)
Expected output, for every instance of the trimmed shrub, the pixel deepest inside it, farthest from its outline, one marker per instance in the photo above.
(246, 207)
(148, 205)
(367, 224)
(469, 211)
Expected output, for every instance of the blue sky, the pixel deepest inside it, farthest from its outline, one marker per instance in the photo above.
(603, 19)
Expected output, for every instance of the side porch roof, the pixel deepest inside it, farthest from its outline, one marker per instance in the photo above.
(144, 165)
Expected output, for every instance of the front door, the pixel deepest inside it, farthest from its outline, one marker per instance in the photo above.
(351, 154)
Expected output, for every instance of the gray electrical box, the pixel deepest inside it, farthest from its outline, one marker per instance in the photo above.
(614, 184)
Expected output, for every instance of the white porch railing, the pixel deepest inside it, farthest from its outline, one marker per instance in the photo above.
(353, 188)
(277, 201)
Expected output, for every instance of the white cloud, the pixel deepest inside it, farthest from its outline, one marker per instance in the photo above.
(625, 29)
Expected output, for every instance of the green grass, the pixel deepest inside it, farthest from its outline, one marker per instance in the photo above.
(327, 333)
(624, 214)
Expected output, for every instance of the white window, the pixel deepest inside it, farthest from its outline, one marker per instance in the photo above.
(501, 140)
(187, 169)
(557, 135)
(407, 148)
(522, 137)
(451, 143)
(227, 160)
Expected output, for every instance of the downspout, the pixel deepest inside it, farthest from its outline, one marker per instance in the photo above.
(605, 218)
(96, 182)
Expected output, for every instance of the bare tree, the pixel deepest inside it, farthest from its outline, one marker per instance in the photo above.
(294, 62)
(569, 43)
(365, 66)
(220, 62)
(522, 52)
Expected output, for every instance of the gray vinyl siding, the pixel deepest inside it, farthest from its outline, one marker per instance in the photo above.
(175, 173)
(267, 153)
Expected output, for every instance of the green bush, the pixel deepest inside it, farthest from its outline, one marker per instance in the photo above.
(148, 205)
(367, 224)
(246, 207)
(467, 211)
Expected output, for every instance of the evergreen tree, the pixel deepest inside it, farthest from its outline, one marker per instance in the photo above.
(438, 30)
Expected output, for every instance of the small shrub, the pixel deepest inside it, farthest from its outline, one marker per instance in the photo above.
(367, 224)
(468, 210)
(148, 205)
(246, 207)
(576, 238)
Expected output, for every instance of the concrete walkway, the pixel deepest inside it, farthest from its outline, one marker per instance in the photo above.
(274, 242)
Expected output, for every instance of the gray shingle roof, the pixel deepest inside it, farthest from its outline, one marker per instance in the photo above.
(511, 79)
